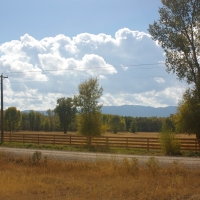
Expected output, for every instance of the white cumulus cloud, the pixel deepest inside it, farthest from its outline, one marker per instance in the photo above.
(40, 71)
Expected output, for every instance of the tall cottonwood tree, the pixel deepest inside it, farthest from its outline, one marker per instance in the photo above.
(89, 118)
(66, 111)
(178, 32)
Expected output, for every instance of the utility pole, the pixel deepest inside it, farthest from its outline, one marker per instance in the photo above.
(2, 133)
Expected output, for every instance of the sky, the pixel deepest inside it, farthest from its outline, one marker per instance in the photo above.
(48, 48)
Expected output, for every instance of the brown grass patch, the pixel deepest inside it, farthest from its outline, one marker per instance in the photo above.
(51, 179)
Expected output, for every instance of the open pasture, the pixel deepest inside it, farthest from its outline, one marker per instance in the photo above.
(119, 134)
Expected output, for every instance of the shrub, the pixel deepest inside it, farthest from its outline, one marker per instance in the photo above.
(153, 165)
(169, 143)
(35, 158)
(131, 166)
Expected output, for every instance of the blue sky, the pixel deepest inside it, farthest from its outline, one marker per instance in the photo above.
(47, 48)
(70, 17)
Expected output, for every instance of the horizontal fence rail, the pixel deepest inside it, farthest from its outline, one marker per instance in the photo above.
(148, 143)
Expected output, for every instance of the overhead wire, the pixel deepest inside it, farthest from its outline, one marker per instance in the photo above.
(88, 68)
(16, 73)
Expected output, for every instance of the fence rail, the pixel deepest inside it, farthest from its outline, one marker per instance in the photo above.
(191, 144)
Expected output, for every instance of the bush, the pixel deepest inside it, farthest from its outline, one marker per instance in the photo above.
(131, 166)
(153, 165)
(36, 159)
(169, 143)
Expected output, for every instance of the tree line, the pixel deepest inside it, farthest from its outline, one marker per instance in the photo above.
(49, 121)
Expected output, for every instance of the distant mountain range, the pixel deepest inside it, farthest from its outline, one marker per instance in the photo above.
(139, 111)
(134, 111)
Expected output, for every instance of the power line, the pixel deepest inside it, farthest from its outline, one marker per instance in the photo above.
(14, 73)
(34, 81)
(88, 68)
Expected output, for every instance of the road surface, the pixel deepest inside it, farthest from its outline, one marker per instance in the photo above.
(82, 156)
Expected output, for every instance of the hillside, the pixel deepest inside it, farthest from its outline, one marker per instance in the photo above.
(139, 111)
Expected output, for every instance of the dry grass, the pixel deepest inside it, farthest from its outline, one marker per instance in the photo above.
(120, 134)
(22, 179)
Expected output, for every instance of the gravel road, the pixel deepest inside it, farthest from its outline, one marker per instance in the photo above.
(81, 156)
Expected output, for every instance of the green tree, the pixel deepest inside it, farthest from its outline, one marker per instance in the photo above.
(168, 124)
(89, 119)
(66, 111)
(187, 118)
(117, 124)
(54, 122)
(12, 119)
(31, 117)
(133, 126)
(178, 32)
(46, 124)
(25, 121)
(128, 121)
(38, 121)
(51, 116)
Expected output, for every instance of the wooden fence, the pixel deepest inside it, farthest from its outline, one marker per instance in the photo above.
(147, 143)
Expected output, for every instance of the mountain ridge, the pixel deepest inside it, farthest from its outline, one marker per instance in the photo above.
(134, 111)
(139, 111)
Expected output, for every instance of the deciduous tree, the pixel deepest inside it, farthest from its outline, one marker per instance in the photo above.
(188, 115)
(178, 32)
(117, 124)
(12, 119)
(66, 111)
(133, 126)
(89, 120)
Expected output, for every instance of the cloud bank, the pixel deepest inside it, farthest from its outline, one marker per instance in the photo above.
(41, 71)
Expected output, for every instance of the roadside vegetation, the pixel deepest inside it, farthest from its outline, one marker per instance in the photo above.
(37, 177)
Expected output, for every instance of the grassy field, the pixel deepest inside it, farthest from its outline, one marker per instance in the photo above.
(32, 178)
(119, 134)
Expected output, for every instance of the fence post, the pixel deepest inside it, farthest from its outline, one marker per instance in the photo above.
(54, 140)
(90, 141)
(38, 138)
(147, 144)
(23, 138)
(106, 142)
(198, 144)
(10, 137)
(70, 140)
(126, 143)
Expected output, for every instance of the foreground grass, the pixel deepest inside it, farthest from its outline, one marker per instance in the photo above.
(35, 178)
